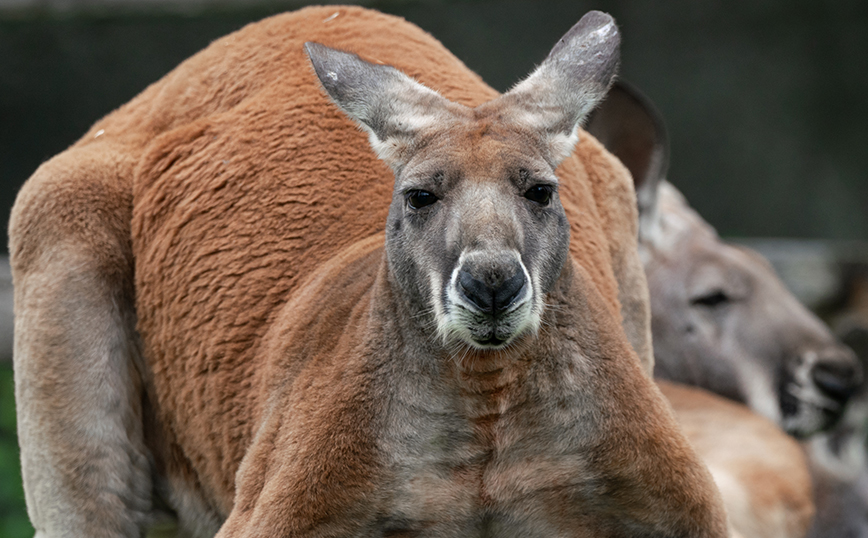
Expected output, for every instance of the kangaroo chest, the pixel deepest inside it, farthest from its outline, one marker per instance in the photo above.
(503, 464)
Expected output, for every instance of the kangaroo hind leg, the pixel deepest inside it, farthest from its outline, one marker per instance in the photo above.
(77, 383)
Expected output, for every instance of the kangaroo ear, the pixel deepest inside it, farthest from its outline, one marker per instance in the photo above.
(569, 83)
(631, 128)
(392, 107)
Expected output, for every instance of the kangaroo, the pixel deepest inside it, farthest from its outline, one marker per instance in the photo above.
(721, 318)
(225, 301)
(722, 339)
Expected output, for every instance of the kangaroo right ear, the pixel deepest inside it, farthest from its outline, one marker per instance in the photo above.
(569, 83)
(632, 129)
(392, 107)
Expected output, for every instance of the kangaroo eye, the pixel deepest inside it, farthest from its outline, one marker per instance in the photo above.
(417, 199)
(711, 300)
(540, 194)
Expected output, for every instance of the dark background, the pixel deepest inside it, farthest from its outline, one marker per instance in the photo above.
(765, 100)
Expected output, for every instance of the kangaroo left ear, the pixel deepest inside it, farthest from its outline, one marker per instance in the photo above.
(628, 124)
(571, 81)
(392, 107)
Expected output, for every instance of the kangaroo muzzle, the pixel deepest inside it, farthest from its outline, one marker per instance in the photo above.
(488, 299)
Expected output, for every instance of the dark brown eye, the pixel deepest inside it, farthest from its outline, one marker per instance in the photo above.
(711, 300)
(417, 199)
(540, 194)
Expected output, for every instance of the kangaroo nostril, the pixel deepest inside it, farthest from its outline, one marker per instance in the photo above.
(475, 291)
(495, 298)
(505, 295)
(837, 379)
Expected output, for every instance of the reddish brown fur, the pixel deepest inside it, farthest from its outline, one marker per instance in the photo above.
(240, 235)
(219, 305)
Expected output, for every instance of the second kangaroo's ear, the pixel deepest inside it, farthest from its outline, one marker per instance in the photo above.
(392, 107)
(632, 129)
(571, 81)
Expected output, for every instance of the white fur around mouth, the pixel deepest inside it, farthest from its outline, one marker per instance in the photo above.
(458, 320)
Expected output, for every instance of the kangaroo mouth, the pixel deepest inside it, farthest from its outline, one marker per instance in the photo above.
(493, 337)
(491, 342)
(485, 331)
(804, 411)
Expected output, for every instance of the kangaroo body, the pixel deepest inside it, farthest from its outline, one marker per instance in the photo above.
(226, 301)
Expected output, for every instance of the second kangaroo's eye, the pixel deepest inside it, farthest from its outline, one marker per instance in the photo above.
(418, 199)
(711, 299)
(540, 194)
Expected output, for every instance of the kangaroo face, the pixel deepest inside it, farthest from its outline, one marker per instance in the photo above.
(723, 320)
(479, 236)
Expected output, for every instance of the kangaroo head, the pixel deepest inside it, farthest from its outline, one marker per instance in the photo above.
(476, 234)
(721, 318)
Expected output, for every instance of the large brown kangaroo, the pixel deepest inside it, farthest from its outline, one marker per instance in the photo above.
(209, 312)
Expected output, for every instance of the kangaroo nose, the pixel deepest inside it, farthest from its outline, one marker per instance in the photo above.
(492, 293)
(838, 374)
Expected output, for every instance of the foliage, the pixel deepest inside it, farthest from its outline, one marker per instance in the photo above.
(13, 515)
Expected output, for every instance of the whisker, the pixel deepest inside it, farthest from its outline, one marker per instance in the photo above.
(423, 313)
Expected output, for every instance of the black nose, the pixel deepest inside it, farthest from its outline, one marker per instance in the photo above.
(837, 374)
(492, 293)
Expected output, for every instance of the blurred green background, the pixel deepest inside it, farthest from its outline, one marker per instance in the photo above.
(765, 100)
(13, 517)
